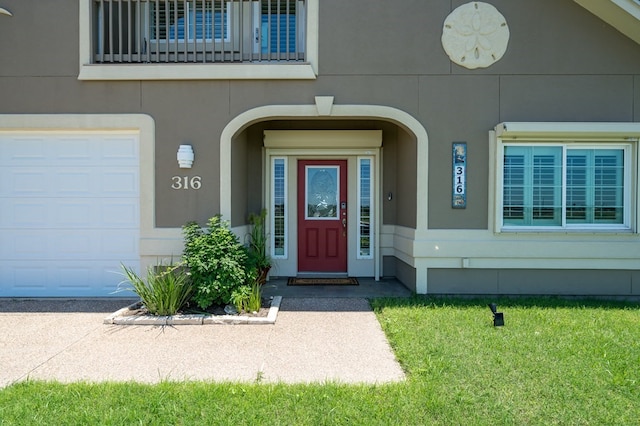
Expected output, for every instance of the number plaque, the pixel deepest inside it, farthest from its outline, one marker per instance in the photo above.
(186, 182)
(459, 196)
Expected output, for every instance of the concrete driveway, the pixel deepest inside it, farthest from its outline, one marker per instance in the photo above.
(313, 340)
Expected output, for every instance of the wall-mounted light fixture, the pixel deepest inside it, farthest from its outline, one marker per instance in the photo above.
(4, 11)
(185, 156)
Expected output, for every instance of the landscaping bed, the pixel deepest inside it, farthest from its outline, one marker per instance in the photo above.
(136, 314)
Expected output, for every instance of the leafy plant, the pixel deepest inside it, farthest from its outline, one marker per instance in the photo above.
(248, 297)
(216, 261)
(240, 297)
(166, 289)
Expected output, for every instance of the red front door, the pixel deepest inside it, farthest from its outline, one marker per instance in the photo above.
(322, 215)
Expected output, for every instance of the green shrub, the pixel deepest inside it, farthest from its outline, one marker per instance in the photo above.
(166, 289)
(215, 259)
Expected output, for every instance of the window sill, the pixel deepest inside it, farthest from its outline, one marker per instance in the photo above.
(581, 231)
(277, 71)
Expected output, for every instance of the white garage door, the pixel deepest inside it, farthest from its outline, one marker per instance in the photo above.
(69, 212)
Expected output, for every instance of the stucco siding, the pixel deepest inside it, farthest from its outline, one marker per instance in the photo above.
(532, 281)
(25, 94)
(364, 37)
(406, 181)
(458, 108)
(40, 39)
(406, 274)
(566, 98)
(559, 37)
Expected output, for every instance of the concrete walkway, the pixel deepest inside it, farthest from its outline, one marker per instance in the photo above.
(313, 340)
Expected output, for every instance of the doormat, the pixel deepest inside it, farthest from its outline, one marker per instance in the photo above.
(322, 281)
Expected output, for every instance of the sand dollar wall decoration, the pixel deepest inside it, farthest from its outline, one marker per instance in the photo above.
(475, 35)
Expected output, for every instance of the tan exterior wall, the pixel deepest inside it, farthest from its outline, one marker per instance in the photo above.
(406, 274)
(534, 281)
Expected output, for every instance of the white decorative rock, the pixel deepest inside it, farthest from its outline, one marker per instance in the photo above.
(475, 35)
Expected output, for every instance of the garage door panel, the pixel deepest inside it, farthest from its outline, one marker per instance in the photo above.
(69, 212)
(74, 276)
(24, 213)
(66, 149)
(119, 213)
(78, 245)
(18, 150)
(61, 279)
(74, 213)
(119, 245)
(32, 181)
(46, 181)
(119, 182)
(120, 150)
(36, 245)
(24, 246)
(70, 149)
(74, 182)
(29, 182)
(25, 276)
(96, 213)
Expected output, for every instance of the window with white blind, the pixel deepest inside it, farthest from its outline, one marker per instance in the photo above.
(188, 21)
(208, 31)
(279, 208)
(365, 210)
(566, 186)
(199, 32)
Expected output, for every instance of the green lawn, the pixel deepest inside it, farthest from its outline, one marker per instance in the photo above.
(554, 362)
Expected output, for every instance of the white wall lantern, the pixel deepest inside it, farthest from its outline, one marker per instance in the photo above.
(185, 156)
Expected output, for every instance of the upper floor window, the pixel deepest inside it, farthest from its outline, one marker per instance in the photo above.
(208, 31)
(255, 33)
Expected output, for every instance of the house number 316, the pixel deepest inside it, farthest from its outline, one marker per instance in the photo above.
(186, 182)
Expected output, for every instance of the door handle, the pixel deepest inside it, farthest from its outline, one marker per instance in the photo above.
(344, 223)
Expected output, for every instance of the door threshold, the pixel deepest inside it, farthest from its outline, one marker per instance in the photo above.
(322, 275)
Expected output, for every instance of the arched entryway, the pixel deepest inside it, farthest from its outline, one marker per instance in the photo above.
(398, 165)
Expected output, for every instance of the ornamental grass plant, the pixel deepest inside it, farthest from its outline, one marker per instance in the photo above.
(165, 291)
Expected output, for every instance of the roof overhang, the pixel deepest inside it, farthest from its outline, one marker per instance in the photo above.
(624, 15)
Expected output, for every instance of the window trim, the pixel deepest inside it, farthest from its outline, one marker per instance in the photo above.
(285, 235)
(224, 71)
(372, 207)
(569, 136)
(563, 149)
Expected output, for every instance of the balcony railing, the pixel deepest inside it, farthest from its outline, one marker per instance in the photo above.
(198, 31)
